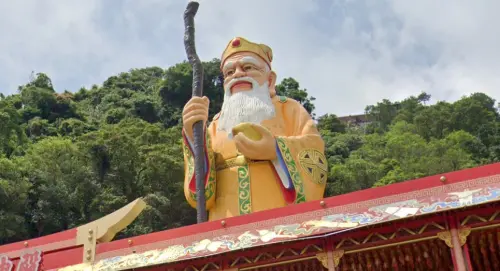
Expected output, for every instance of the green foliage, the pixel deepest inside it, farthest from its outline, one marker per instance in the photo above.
(331, 123)
(70, 158)
(13, 193)
(409, 139)
(289, 87)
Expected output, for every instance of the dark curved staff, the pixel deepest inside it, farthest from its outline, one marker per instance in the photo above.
(198, 144)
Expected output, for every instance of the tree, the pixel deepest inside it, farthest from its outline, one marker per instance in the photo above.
(13, 192)
(11, 134)
(330, 122)
(176, 89)
(382, 114)
(61, 186)
(289, 87)
(40, 80)
(69, 158)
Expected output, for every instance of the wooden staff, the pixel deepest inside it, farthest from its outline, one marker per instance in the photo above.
(198, 134)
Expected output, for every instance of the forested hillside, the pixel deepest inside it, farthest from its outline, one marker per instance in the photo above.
(67, 158)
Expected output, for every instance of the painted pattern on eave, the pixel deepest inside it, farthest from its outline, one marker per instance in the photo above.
(293, 227)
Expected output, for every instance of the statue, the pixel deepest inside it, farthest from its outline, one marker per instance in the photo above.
(262, 151)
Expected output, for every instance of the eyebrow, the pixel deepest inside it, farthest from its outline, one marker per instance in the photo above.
(251, 60)
(246, 59)
(228, 65)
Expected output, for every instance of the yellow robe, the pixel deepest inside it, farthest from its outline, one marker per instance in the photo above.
(237, 186)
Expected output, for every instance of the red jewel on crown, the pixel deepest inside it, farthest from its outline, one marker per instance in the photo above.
(236, 42)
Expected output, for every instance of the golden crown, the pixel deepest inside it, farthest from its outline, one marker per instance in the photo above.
(239, 44)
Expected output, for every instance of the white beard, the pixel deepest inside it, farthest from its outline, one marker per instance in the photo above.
(253, 106)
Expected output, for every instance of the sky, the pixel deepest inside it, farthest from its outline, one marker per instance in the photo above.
(346, 53)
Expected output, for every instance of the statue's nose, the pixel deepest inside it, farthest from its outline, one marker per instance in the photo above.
(239, 73)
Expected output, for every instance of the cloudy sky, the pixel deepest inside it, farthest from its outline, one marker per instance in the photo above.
(346, 53)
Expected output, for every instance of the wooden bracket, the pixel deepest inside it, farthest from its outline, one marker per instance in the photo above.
(104, 229)
(89, 245)
(330, 259)
(446, 236)
(323, 258)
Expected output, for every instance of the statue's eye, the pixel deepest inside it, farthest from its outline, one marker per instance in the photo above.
(229, 72)
(248, 68)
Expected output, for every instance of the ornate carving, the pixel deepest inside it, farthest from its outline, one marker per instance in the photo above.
(238, 240)
(323, 258)
(314, 164)
(462, 235)
(337, 255)
(446, 237)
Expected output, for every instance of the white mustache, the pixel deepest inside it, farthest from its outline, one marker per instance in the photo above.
(242, 79)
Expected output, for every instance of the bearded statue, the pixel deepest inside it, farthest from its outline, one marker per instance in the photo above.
(263, 151)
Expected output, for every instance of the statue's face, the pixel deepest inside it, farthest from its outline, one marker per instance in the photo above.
(245, 65)
(248, 87)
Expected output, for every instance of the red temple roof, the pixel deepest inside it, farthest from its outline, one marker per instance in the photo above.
(330, 216)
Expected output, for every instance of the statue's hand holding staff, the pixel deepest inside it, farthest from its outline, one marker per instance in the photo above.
(196, 109)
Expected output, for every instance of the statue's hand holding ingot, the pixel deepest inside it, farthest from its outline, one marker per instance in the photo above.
(254, 141)
(248, 130)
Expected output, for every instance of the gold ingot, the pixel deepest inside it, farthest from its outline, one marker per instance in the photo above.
(248, 130)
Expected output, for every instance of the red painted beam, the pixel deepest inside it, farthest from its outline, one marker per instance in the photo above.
(358, 196)
(54, 241)
(62, 258)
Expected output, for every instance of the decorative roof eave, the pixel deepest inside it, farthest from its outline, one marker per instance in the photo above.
(452, 192)
(307, 220)
(101, 230)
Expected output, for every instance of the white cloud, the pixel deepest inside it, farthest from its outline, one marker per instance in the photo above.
(348, 54)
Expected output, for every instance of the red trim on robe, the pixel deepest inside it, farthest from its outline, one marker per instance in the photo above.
(288, 194)
(192, 182)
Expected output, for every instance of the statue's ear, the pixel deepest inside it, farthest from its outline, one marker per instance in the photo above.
(272, 83)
